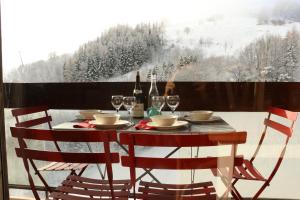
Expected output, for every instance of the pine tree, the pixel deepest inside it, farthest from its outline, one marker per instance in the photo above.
(291, 62)
(117, 51)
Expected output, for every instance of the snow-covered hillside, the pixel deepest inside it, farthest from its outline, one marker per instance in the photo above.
(215, 36)
(222, 35)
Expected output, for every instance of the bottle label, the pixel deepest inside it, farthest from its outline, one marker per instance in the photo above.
(138, 110)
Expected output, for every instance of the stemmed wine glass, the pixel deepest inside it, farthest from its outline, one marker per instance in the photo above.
(117, 102)
(129, 103)
(173, 102)
(158, 102)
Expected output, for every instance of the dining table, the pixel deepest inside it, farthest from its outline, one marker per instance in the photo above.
(217, 125)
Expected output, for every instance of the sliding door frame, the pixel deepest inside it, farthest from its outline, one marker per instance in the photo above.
(4, 195)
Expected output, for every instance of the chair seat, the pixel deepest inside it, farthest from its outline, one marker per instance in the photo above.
(157, 191)
(60, 166)
(246, 171)
(82, 188)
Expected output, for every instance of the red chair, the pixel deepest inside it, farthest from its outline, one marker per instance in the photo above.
(248, 171)
(74, 187)
(155, 191)
(22, 115)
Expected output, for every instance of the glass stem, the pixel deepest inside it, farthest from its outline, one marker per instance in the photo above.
(130, 117)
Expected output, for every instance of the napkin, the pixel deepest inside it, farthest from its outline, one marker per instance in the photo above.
(84, 124)
(142, 125)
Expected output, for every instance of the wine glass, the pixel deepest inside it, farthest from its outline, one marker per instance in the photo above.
(129, 103)
(117, 102)
(173, 102)
(158, 102)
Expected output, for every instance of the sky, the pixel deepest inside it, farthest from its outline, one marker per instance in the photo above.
(32, 29)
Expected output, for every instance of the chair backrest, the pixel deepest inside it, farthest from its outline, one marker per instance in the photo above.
(177, 140)
(19, 112)
(272, 123)
(27, 154)
(289, 115)
(285, 130)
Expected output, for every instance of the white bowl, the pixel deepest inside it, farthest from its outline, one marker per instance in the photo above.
(88, 114)
(164, 120)
(107, 118)
(200, 115)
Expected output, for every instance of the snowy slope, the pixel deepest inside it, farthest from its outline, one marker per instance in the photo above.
(216, 36)
(226, 34)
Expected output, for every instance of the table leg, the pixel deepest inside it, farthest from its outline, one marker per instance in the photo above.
(147, 171)
(226, 175)
(124, 148)
(98, 166)
(194, 171)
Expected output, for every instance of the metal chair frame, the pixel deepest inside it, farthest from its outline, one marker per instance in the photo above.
(45, 119)
(74, 187)
(248, 171)
(154, 191)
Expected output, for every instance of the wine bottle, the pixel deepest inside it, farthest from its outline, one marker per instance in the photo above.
(138, 110)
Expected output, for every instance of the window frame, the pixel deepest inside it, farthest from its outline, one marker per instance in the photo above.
(4, 194)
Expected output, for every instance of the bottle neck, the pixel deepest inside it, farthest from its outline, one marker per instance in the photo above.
(153, 91)
(153, 88)
(137, 83)
(153, 82)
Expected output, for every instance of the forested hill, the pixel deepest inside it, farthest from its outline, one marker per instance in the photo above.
(271, 55)
(118, 51)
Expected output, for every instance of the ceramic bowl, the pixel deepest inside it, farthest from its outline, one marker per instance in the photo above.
(106, 118)
(164, 120)
(200, 115)
(88, 114)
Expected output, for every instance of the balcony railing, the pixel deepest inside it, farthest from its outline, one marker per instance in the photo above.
(218, 96)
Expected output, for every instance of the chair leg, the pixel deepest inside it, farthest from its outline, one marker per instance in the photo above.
(43, 181)
(225, 182)
(146, 192)
(260, 190)
(80, 172)
(236, 195)
(37, 172)
(234, 192)
(235, 181)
